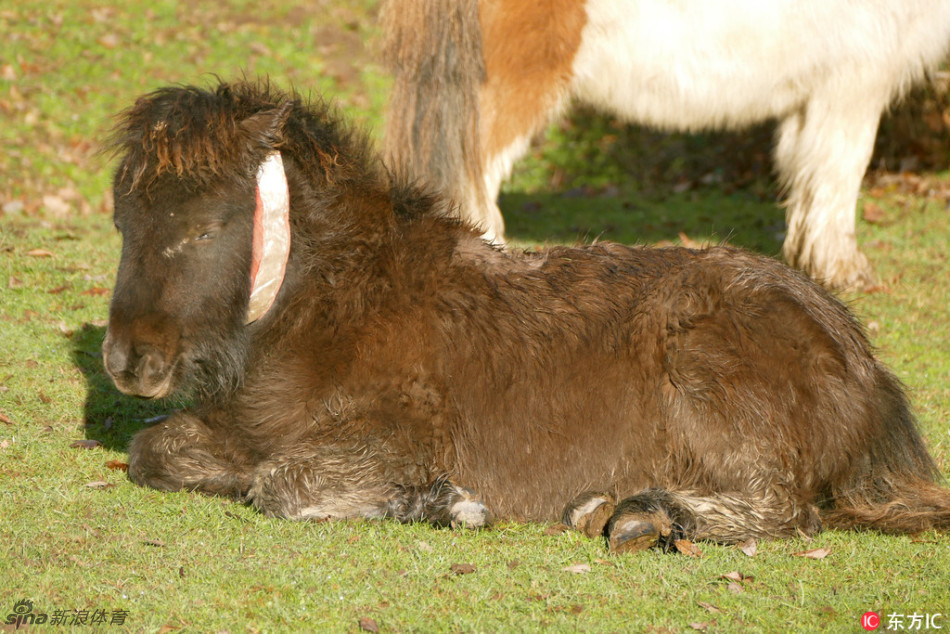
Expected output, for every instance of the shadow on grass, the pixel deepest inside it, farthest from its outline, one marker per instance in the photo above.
(702, 216)
(110, 417)
(592, 177)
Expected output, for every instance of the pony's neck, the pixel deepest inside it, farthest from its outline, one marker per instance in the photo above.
(342, 235)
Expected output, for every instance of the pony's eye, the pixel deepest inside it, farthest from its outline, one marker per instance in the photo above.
(207, 233)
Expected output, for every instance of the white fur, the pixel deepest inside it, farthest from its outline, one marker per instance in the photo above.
(690, 65)
(587, 508)
(825, 68)
(497, 170)
(469, 513)
(336, 511)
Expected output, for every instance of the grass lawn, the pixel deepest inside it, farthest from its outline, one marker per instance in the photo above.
(86, 546)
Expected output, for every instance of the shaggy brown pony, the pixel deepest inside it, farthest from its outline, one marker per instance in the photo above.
(406, 368)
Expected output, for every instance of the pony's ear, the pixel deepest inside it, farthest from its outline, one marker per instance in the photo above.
(264, 128)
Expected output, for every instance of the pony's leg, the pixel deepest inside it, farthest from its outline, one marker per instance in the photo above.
(185, 452)
(333, 482)
(589, 512)
(326, 482)
(658, 517)
(822, 153)
(441, 504)
(529, 56)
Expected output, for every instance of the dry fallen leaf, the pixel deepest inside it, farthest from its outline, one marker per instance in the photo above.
(85, 444)
(463, 569)
(817, 553)
(368, 625)
(735, 575)
(89, 529)
(109, 40)
(749, 547)
(154, 542)
(578, 569)
(235, 516)
(261, 49)
(709, 606)
(702, 627)
(687, 548)
(117, 465)
(57, 206)
(39, 253)
(99, 484)
(873, 213)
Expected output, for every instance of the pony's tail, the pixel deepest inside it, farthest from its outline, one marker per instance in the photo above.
(434, 50)
(896, 487)
(913, 508)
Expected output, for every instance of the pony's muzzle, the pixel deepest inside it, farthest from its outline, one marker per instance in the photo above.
(136, 368)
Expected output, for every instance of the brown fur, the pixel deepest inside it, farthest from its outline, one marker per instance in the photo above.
(473, 78)
(425, 60)
(528, 56)
(409, 369)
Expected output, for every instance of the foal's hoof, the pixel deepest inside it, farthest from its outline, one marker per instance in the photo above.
(589, 513)
(632, 532)
(467, 511)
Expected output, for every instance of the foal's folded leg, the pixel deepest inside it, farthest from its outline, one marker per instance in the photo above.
(322, 482)
(589, 512)
(441, 503)
(657, 517)
(183, 452)
(333, 482)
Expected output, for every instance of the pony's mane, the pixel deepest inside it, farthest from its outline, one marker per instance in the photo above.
(223, 132)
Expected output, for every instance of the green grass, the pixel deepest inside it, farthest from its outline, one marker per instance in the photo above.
(192, 563)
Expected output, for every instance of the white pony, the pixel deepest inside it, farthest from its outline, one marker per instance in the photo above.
(475, 80)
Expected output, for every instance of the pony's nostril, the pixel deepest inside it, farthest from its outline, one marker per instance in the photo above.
(151, 366)
(115, 356)
(136, 359)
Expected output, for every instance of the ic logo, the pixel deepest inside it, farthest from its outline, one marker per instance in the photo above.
(870, 621)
